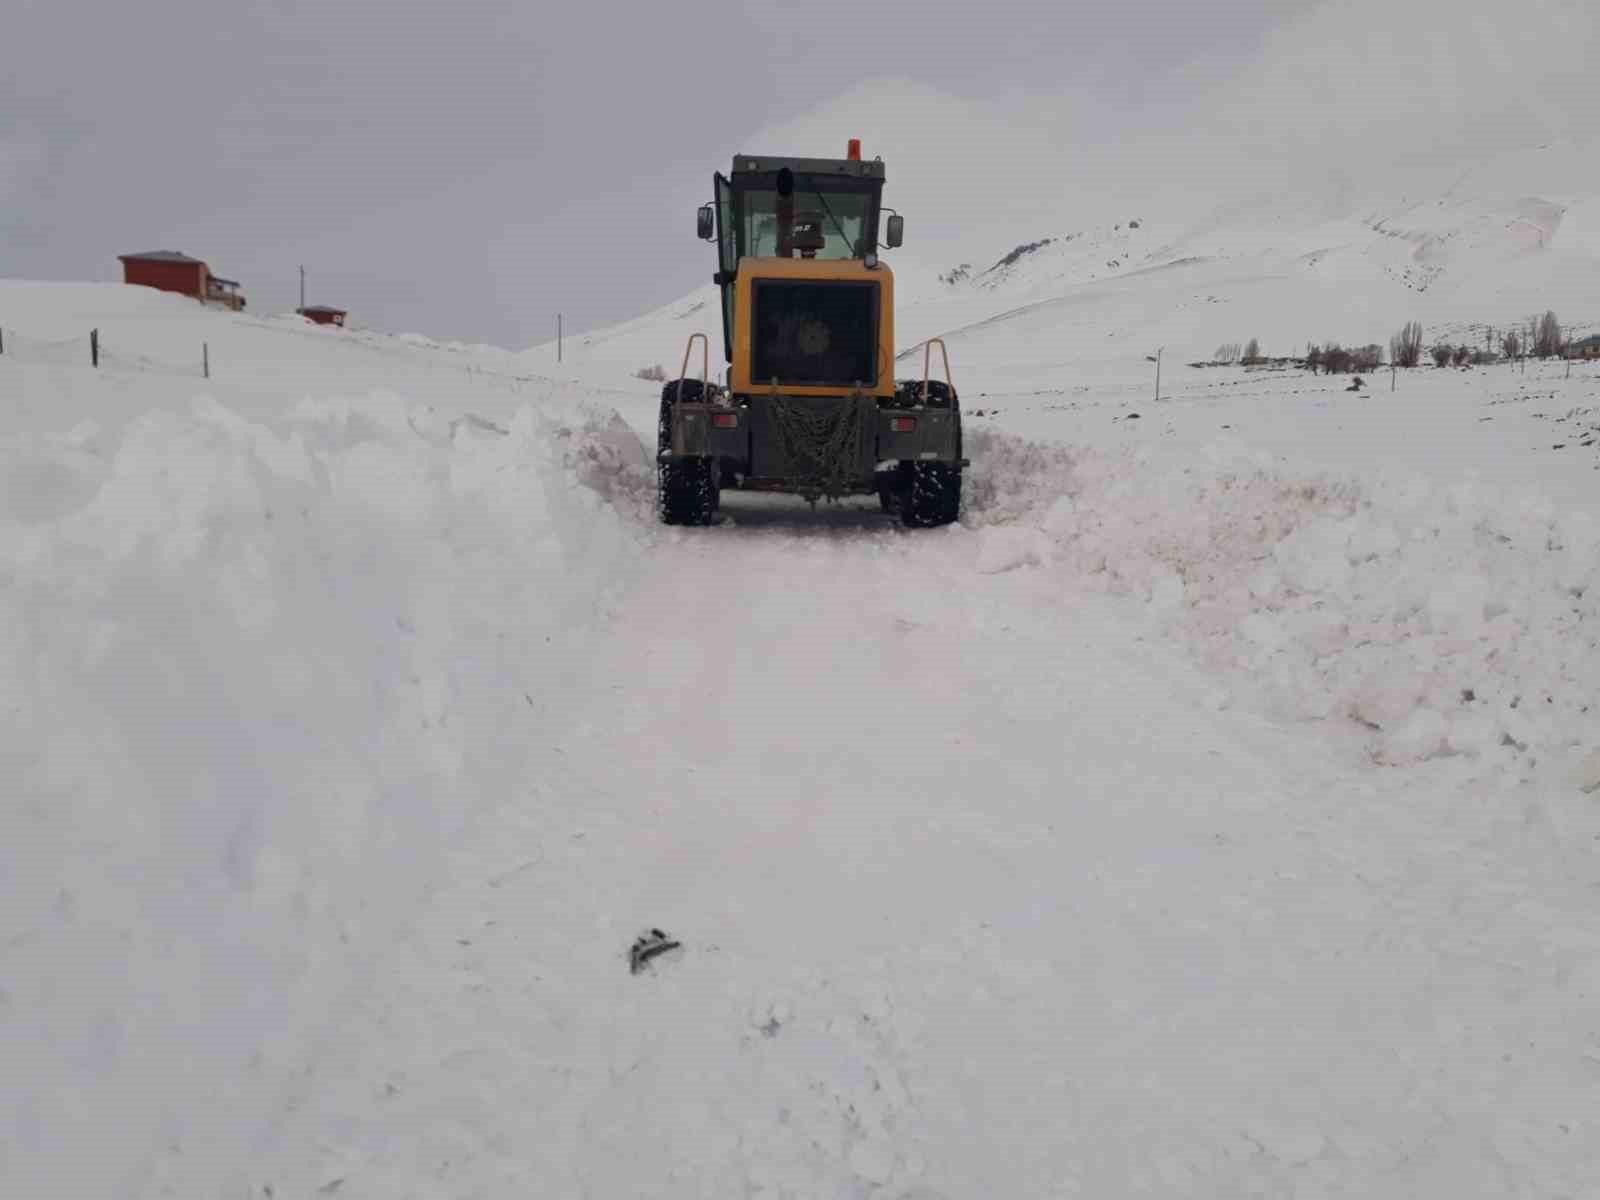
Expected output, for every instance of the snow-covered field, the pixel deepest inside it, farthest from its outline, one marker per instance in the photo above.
(1213, 812)
(1186, 821)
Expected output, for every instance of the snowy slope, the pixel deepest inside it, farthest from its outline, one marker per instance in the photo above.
(1365, 166)
(250, 696)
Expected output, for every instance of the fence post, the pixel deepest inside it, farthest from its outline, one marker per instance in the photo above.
(94, 347)
(205, 359)
(2, 341)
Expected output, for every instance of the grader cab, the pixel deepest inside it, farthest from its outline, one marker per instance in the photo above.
(808, 404)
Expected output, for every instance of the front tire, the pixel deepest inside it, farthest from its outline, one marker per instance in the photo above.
(686, 488)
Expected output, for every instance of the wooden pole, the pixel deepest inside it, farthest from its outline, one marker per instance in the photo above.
(94, 347)
(1158, 371)
(558, 337)
(205, 359)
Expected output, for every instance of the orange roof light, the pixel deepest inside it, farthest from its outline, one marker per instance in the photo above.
(854, 152)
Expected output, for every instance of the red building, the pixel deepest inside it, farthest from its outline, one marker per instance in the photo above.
(170, 271)
(322, 314)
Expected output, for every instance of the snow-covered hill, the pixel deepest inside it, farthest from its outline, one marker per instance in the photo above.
(1366, 166)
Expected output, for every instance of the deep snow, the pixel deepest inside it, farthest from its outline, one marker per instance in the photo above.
(1194, 818)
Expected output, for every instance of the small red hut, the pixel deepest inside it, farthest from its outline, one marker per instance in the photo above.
(322, 314)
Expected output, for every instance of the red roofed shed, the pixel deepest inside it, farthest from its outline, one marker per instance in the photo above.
(172, 271)
(322, 314)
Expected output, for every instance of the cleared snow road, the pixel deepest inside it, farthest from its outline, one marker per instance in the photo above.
(978, 897)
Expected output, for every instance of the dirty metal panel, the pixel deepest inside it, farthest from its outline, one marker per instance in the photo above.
(771, 458)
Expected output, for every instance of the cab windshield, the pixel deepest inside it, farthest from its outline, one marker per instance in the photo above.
(827, 219)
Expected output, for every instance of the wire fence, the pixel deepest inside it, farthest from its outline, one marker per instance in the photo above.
(93, 350)
(115, 358)
(58, 352)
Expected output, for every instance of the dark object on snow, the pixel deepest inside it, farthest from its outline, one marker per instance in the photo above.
(647, 946)
(1356, 384)
(1131, 417)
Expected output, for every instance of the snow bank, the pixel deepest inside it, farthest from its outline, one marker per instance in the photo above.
(251, 694)
(1449, 620)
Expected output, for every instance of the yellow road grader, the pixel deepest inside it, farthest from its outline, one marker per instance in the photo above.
(808, 404)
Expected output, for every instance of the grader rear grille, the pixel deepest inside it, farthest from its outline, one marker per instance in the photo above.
(815, 334)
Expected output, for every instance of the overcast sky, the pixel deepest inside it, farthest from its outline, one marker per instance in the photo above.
(468, 169)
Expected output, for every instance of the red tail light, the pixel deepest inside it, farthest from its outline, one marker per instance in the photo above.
(902, 424)
(854, 152)
(725, 420)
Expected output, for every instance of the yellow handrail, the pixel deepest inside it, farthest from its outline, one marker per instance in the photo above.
(927, 361)
(705, 365)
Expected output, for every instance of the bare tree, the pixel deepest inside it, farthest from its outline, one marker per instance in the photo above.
(1442, 354)
(1313, 357)
(1547, 336)
(1511, 344)
(1252, 349)
(1336, 360)
(1462, 356)
(1405, 347)
(1367, 358)
(1228, 352)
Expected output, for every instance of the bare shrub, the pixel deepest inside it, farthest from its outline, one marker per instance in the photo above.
(1252, 350)
(1462, 356)
(656, 374)
(1405, 347)
(1547, 336)
(1511, 344)
(1336, 360)
(1442, 354)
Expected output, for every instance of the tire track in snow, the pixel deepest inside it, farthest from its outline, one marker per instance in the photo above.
(977, 898)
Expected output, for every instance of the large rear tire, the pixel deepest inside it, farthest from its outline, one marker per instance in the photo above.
(686, 488)
(934, 497)
(928, 493)
(686, 493)
(908, 393)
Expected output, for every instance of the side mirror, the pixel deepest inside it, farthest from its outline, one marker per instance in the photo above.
(896, 233)
(706, 225)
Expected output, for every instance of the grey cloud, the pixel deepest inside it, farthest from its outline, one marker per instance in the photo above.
(469, 169)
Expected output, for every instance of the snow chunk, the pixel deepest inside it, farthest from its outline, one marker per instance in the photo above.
(1004, 548)
(1587, 776)
(1421, 737)
(1061, 521)
(873, 1160)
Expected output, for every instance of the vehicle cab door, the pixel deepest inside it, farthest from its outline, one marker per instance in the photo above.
(727, 257)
